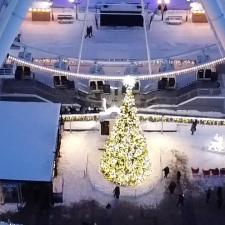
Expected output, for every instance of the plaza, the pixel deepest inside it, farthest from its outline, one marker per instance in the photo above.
(112, 112)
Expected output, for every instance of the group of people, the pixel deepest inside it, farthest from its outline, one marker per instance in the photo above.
(172, 186)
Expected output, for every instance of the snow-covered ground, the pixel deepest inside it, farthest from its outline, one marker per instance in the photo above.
(182, 112)
(9, 207)
(51, 39)
(80, 152)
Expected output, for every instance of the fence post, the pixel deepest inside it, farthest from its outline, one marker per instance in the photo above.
(162, 124)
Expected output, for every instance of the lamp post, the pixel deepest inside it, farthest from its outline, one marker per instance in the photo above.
(187, 11)
(75, 3)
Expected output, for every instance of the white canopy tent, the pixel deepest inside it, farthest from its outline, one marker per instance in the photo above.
(28, 140)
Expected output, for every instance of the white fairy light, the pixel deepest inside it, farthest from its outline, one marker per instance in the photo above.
(117, 78)
(129, 81)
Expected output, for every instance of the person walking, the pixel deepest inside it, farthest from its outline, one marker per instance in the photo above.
(172, 187)
(180, 201)
(87, 32)
(208, 195)
(91, 31)
(219, 197)
(166, 171)
(193, 127)
(116, 192)
(178, 176)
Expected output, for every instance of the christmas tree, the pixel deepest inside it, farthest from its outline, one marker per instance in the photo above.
(126, 159)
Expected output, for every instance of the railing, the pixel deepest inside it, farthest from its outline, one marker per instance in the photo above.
(6, 73)
(156, 98)
(150, 117)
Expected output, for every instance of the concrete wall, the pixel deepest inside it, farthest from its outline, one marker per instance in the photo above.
(206, 105)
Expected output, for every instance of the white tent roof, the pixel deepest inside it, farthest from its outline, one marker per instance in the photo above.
(28, 140)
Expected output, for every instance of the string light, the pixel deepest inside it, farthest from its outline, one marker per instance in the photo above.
(151, 118)
(74, 61)
(116, 77)
(129, 82)
(126, 157)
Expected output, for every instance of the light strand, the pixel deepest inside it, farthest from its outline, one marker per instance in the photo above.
(116, 77)
(149, 117)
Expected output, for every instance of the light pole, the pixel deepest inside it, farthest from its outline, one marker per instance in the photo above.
(187, 12)
(75, 3)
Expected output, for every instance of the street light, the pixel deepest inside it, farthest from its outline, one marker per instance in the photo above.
(188, 8)
(75, 2)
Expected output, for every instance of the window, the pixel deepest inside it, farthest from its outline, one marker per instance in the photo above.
(206, 74)
(96, 86)
(92, 85)
(167, 83)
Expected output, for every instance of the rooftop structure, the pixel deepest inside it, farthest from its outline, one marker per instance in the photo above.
(28, 140)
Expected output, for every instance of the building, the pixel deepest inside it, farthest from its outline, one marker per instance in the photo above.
(29, 148)
(187, 78)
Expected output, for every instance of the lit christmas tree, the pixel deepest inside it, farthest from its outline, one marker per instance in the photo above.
(126, 159)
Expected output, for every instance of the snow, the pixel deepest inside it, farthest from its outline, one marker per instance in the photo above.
(9, 207)
(95, 126)
(114, 42)
(181, 112)
(80, 157)
(28, 140)
(118, 44)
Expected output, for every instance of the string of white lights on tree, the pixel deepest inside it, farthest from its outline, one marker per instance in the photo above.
(34, 66)
(126, 158)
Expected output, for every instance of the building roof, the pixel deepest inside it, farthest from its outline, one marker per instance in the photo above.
(28, 140)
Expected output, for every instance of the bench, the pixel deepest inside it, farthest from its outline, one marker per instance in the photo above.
(65, 19)
(174, 20)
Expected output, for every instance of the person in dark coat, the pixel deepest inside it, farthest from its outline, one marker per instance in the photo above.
(116, 192)
(219, 197)
(91, 31)
(166, 171)
(193, 127)
(88, 32)
(219, 192)
(208, 195)
(219, 202)
(180, 201)
(178, 176)
(172, 187)
(108, 206)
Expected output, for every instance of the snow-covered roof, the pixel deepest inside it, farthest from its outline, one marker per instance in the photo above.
(28, 140)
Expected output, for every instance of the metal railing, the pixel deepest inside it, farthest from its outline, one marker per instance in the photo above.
(6, 73)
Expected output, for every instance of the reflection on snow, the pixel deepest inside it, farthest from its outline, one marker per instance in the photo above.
(217, 144)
